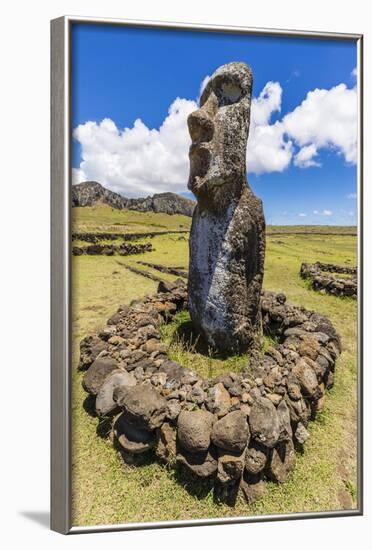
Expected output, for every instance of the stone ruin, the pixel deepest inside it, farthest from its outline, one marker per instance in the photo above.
(237, 429)
(123, 249)
(227, 238)
(324, 278)
(240, 429)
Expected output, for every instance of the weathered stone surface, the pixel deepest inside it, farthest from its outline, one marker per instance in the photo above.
(283, 461)
(105, 404)
(256, 458)
(131, 438)
(194, 430)
(301, 433)
(230, 467)
(173, 370)
(97, 373)
(252, 491)
(202, 464)
(309, 347)
(284, 421)
(144, 405)
(264, 422)
(227, 240)
(307, 378)
(231, 432)
(90, 348)
(173, 409)
(218, 401)
(166, 446)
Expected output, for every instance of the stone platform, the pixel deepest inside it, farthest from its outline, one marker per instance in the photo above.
(240, 429)
(324, 278)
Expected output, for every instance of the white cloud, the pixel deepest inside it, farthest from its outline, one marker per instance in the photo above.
(354, 72)
(302, 215)
(304, 158)
(139, 161)
(78, 176)
(351, 196)
(324, 212)
(267, 150)
(326, 119)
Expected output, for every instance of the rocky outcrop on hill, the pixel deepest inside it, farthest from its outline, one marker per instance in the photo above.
(168, 203)
(90, 193)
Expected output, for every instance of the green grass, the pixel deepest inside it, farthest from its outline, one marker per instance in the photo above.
(312, 229)
(103, 218)
(190, 350)
(105, 491)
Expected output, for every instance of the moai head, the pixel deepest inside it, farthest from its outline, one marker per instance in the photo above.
(219, 133)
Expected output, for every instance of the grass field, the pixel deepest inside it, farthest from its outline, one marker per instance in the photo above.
(104, 490)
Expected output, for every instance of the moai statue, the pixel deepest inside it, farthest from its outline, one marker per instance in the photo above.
(227, 239)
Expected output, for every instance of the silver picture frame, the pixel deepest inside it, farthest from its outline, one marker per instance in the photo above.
(61, 132)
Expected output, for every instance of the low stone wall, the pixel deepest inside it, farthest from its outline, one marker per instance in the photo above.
(239, 429)
(331, 284)
(96, 237)
(124, 249)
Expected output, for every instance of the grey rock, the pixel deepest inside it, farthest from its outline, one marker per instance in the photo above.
(230, 467)
(218, 401)
(166, 446)
(256, 458)
(197, 395)
(284, 421)
(144, 405)
(97, 373)
(105, 404)
(301, 433)
(194, 430)
(227, 239)
(299, 410)
(131, 438)
(90, 348)
(231, 432)
(202, 464)
(283, 461)
(306, 377)
(264, 422)
(173, 409)
(252, 491)
(173, 370)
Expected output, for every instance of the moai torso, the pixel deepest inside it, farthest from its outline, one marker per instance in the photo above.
(227, 240)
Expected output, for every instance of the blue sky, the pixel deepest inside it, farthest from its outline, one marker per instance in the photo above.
(122, 74)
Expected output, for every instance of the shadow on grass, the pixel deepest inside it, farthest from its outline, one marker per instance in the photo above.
(195, 486)
(200, 488)
(89, 405)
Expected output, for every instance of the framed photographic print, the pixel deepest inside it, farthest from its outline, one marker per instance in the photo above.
(206, 274)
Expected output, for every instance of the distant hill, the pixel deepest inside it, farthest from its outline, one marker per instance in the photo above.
(90, 193)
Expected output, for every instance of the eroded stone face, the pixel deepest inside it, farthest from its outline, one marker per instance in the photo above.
(227, 239)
